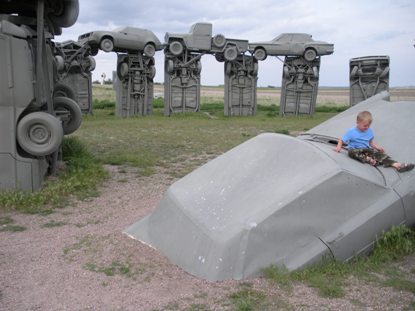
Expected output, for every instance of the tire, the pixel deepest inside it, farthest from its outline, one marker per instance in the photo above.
(92, 64)
(106, 45)
(122, 70)
(286, 72)
(149, 50)
(231, 53)
(310, 54)
(93, 51)
(385, 72)
(219, 40)
(228, 69)
(198, 68)
(69, 113)
(315, 72)
(220, 57)
(260, 54)
(62, 90)
(170, 66)
(60, 63)
(39, 133)
(354, 72)
(176, 48)
(152, 73)
(254, 71)
(68, 14)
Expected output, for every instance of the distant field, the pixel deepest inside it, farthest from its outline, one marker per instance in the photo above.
(267, 96)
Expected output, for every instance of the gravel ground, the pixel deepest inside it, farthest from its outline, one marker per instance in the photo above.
(78, 259)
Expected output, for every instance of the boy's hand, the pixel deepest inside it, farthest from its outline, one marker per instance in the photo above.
(338, 149)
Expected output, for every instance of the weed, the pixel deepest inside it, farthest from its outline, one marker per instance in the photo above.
(116, 268)
(53, 223)
(7, 225)
(80, 178)
(329, 277)
(247, 298)
(393, 244)
(400, 284)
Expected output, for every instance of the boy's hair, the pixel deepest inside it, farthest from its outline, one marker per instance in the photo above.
(364, 116)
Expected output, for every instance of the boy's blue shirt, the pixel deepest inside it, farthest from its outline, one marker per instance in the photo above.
(355, 138)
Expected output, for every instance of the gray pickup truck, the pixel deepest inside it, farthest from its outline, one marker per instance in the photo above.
(199, 39)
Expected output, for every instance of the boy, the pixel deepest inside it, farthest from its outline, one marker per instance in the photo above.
(362, 147)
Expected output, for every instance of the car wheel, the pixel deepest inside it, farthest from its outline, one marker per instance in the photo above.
(231, 53)
(176, 48)
(254, 71)
(39, 133)
(60, 63)
(385, 72)
(152, 73)
(149, 50)
(69, 112)
(93, 50)
(106, 45)
(61, 90)
(91, 64)
(228, 68)
(198, 69)
(286, 72)
(310, 55)
(219, 40)
(354, 72)
(122, 70)
(220, 57)
(315, 72)
(260, 54)
(170, 66)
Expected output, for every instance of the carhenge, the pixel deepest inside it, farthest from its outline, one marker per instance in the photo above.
(287, 201)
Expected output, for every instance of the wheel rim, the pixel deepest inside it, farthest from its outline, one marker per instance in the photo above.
(176, 48)
(260, 54)
(149, 50)
(231, 54)
(107, 45)
(310, 55)
(39, 134)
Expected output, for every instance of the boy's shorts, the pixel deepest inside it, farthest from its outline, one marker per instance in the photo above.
(365, 155)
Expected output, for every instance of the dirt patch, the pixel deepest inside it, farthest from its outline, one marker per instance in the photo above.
(78, 259)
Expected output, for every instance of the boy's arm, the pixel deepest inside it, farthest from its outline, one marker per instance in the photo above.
(339, 145)
(375, 146)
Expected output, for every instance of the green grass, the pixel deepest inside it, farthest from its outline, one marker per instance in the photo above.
(7, 224)
(82, 174)
(330, 277)
(180, 143)
(52, 224)
(111, 270)
(247, 298)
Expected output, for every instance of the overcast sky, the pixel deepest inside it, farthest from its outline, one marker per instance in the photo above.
(357, 28)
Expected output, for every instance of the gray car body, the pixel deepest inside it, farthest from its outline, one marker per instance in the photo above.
(125, 39)
(287, 201)
(199, 39)
(292, 44)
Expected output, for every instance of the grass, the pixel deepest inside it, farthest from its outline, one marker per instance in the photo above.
(80, 178)
(115, 268)
(7, 224)
(182, 142)
(329, 277)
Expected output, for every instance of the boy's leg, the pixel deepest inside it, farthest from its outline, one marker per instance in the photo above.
(362, 155)
(383, 159)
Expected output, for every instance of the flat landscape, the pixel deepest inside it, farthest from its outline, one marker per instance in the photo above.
(63, 248)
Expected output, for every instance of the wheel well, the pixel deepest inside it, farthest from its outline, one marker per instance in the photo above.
(107, 37)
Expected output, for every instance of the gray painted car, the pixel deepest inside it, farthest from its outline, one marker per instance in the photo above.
(287, 201)
(291, 44)
(123, 39)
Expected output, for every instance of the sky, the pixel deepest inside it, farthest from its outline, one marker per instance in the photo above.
(356, 28)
